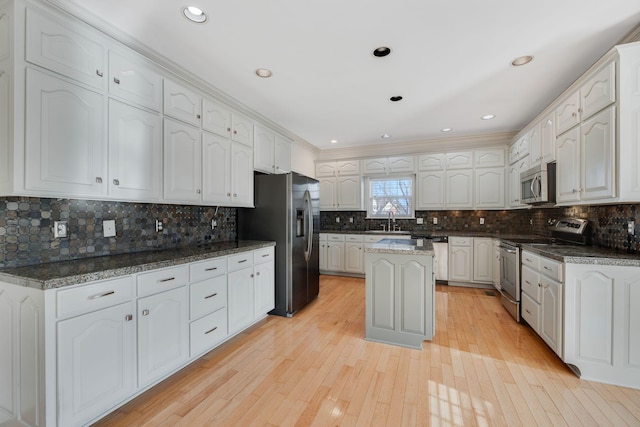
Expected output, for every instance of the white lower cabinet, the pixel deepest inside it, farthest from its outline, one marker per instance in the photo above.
(470, 260)
(496, 264)
(483, 260)
(71, 355)
(323, 251)
(354, 254)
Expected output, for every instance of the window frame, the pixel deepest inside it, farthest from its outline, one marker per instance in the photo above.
(368, 197)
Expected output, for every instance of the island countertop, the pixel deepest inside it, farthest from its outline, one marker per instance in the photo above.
(402, 246)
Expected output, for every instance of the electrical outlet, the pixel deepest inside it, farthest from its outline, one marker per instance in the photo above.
(60, 229)
(158, 225)
(531, 222)
(631, 227)
(214, 224)
(481, 221)
(419, 221)
(109, 228)
(337, 219)
(350, 219)
(435, 221)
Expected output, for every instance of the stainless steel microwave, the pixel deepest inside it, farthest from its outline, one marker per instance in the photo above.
(538, 185)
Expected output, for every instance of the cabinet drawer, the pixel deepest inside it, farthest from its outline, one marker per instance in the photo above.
(335, 237)
(530, 260)
(162, 280)
(373, 239)
(205, 333)
(207, 296)
(94, 296)
(460, 241)
(531, 312)
(263, 255)
(551, 268)
(531, 283)
(210, 268)
(323, 237)
(354, 238)
(240, 261)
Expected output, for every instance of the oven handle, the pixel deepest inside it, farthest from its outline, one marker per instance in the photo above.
(508, 297)
(510, 251)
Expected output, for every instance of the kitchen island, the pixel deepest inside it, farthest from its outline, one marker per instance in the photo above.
(400, 292)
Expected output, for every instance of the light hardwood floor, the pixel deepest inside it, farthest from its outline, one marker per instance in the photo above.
(482, 369)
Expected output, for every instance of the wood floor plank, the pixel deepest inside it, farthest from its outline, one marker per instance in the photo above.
(316, 369)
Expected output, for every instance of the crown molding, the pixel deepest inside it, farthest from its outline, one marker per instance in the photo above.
(632, 36)
(422, 146)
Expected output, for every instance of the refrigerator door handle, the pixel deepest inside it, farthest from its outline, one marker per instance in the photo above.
(309, 248)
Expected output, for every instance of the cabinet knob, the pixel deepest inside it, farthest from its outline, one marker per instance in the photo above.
(145, 312)
(116, 80)
(197, 116)
(198, 191)
(235, 132)
(235, 194)
(99, 73)
(228, 129)
(116, 182)
(258, 273)
(228, 194)
(573, 114)
(251, 275)
(128, 318)
(98, 180)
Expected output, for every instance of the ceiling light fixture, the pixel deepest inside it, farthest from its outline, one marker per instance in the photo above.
(488, 116)
(522, 60)
(446, 129)
(194, 14)
(264, 73)
(385, 136)
(381, 51)
(334, 141)
(395, 98)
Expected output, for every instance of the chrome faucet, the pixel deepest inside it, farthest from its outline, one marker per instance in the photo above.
(391, 217)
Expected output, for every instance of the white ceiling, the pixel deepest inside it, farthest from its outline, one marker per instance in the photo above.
(450, 60)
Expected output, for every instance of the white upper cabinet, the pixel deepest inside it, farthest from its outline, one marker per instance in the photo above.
(386, 165)
(65, 138)
(431, 162)
(216, 169)
(535, 157)
(133, 79)
(568, 167)
(182, 162)
(548, 139)
(462, 160)
(6, 165)
(489, 158)
(72, 50)
(459, 188)
(271, 152)
(241, 129)
(568, 113)
(598, 156)
(135, 153)
(241, 175)
(375, 166)
(282, 154)
(339, 168)
(341, 193)
(430, 190)
(182, 103)
(489, 188)
(216, 118)
(599, 91)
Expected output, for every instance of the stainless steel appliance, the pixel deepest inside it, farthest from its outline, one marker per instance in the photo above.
(510, 278)
(287, 211)
(538, 185)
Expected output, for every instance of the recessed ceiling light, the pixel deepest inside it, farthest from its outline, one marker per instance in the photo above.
(488, 116)
(522, 60)
(381, 51)
(385, 136)
(264, 72)
(334, 141)
(395, 98)
(446, 129)
(194, 14)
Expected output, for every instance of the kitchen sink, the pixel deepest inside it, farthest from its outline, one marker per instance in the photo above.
(386, 232)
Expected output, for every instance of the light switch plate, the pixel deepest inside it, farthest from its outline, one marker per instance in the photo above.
(337, 219)
(435, 220)
(481, 221)
(109, 228)
(419, 221)
(631, 227)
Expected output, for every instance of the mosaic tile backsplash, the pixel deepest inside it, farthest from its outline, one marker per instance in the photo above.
(609, 222)
(26, 235)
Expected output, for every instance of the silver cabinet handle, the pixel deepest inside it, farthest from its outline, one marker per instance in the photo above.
(228, 194)
(116, 182)
(527, 310)
(145, 312)
(228, 129)
(527, 259)
(211, 296)
(211, 330)
(166, 280)
(99, 73)
(128, 318)
(98, 180)
(116, 80)
(242, 260)
(265, 255)
(106, 294)
(547, 268)
(197, 116)
(235, 194)
(211, 269)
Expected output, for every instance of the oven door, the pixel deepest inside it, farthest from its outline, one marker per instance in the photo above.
(510, 280)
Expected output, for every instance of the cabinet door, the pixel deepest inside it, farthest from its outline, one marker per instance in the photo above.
(182, 103)
(482, 260)
(459, 189)
(347, 167)
(264, 288)
(489, 158)
(328, 194)
(282, 154)
(412, 288)
(513, 153)
(66, 48)
(489, 185)
(354, 257)
(460, 263)
(496, 266)
(163, 334)
(523, 146)
(535, 157)
(323, 255)
(568, 166)
(381, 290)
(240, 306)
(263, 149)
(216, 118)
(65, 137)
(514, 186)
(548, 139)
(375, 166)
(6, 163)
(325, 169)
(135, 153)
(335, 256)
(133, 80)
(182, 159)
(431, 162)
(431, 190)
(241, 175)
(96, 363)
(462, 160)
(597, 150)
(567, 113)
(216, 169)
(599, 91)
(241, 129)
(401, 164)
(348, 193)
(551, 314)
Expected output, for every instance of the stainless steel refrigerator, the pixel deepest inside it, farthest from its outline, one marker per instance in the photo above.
(287, 211)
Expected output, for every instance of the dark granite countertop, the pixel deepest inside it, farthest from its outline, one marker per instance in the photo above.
(66, 273)
(584, 255)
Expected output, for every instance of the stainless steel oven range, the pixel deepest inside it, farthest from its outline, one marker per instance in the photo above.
(510, 278)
